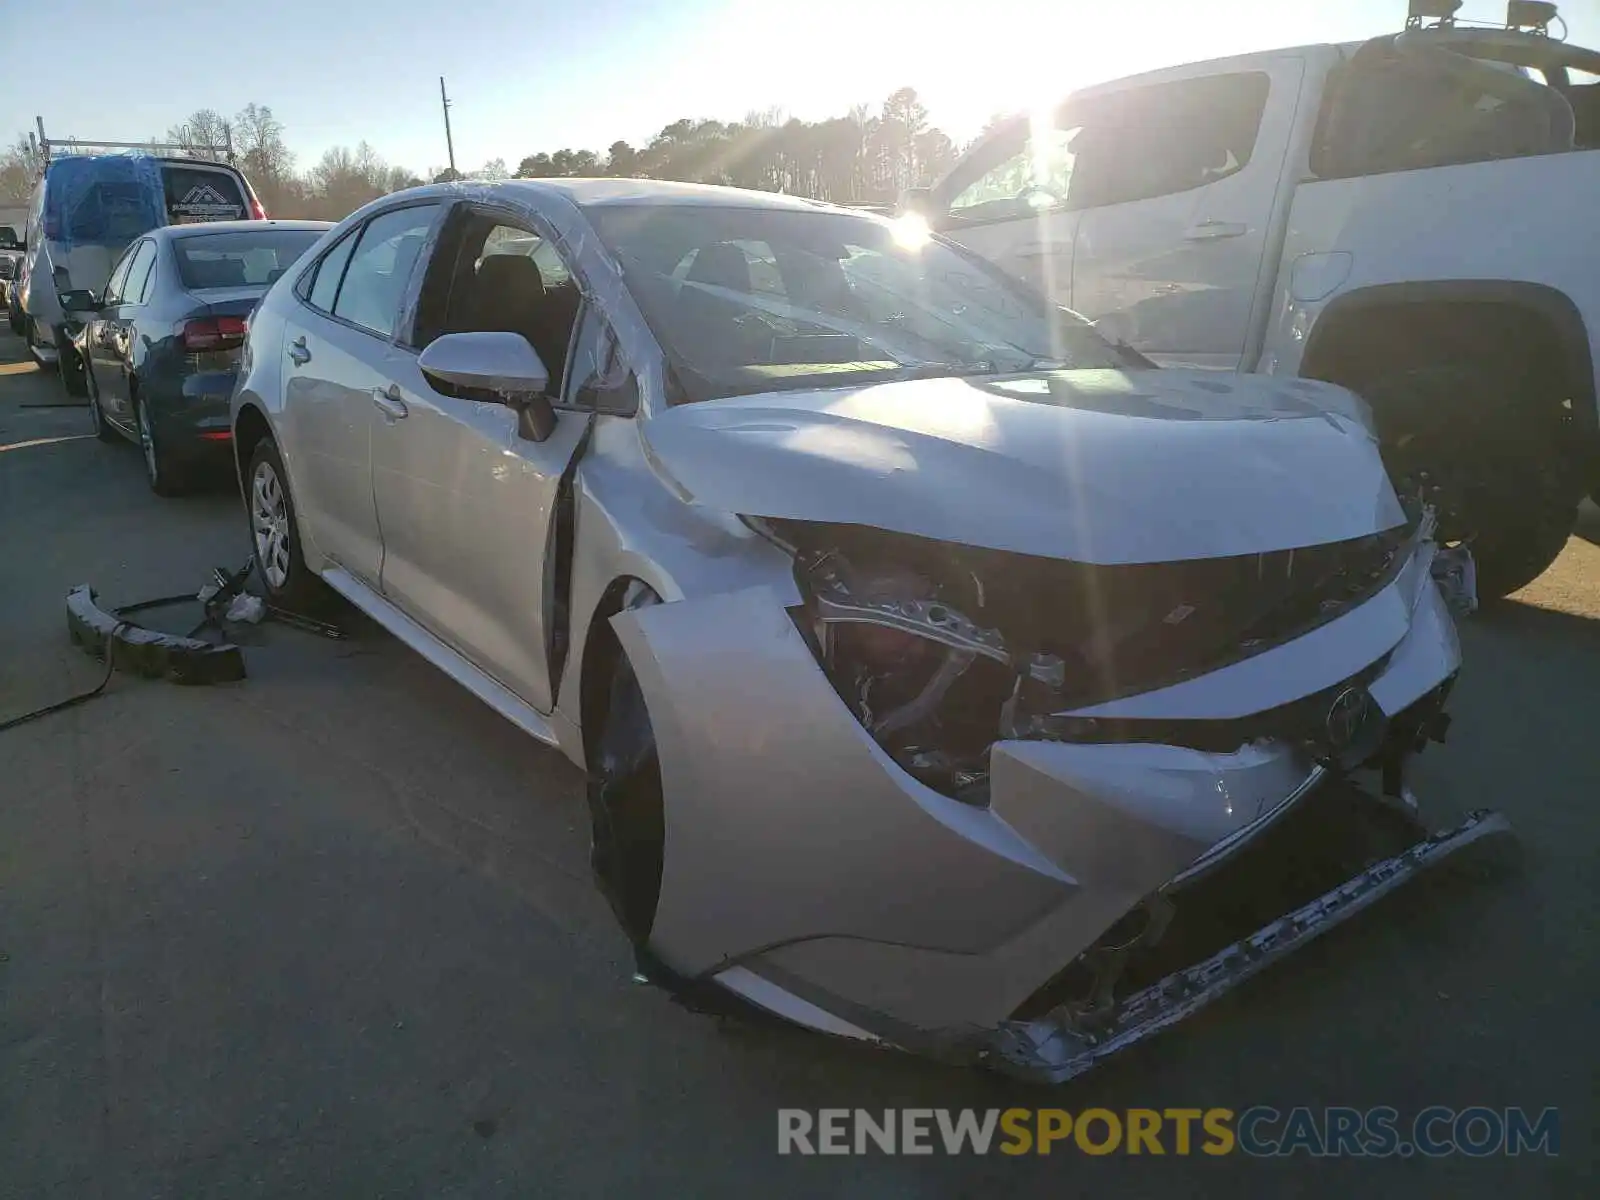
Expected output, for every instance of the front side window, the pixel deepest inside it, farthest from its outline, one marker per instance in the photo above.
(119, 276)
(380, 268)
(488, 277)
(139, 272)
(1033, 174)
(857, 303)
(1165, 138)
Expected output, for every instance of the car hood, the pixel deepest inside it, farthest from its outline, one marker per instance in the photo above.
(1095, 466)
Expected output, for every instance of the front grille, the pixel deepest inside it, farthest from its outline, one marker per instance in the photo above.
(1153, 625)
(1302, 722)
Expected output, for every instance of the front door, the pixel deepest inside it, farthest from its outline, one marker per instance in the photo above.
(101, 359)
(465, 501)
(1007, 201)
(1176, 184)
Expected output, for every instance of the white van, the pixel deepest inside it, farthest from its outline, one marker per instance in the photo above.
(86, 209)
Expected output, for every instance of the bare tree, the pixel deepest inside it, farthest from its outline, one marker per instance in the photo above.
(266, 158)
(16, 172)
(204, 134)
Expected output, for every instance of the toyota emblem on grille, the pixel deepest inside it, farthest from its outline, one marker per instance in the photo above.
(1346, 715)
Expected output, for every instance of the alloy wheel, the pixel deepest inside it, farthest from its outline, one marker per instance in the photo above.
(269, 521)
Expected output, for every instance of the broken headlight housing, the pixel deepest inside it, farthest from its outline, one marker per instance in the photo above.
(925, 681)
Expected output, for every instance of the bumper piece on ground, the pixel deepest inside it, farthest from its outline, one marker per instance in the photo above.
(148, 652)
(1051, 1050)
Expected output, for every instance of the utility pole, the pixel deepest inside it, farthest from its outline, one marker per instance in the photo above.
(449, 143)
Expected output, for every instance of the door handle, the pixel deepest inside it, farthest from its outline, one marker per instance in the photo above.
(389, 402)
(1210, 231)
(298, 352)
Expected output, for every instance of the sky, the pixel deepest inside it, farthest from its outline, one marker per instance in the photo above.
(526, 76)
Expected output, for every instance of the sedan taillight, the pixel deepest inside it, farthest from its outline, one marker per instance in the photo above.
(214, 333)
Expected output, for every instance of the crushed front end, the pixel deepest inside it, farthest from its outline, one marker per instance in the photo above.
(1027, 811)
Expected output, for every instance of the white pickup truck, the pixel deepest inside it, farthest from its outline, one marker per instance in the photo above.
(1416, 217)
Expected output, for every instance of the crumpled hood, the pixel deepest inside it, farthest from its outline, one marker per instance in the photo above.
(1095, 466)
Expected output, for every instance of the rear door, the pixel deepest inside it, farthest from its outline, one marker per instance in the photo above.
(1176, 185)
(339, 357)
(465, 501)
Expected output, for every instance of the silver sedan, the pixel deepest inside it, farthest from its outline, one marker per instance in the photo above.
(946, 677)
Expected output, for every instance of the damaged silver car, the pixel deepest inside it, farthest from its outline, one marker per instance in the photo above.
(945, 676)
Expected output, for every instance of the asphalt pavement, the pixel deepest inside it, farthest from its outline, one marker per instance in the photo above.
(329, 931)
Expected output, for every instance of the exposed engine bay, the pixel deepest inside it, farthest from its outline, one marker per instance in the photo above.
(942, 650)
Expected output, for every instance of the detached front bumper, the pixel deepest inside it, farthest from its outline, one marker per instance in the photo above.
(806, 872)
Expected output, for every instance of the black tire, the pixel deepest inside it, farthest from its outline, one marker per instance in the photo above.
(70, 365)
(14, 315)
(1498, 469)
(97, 417)
(289, 583)
(627, 819)
(166, 475)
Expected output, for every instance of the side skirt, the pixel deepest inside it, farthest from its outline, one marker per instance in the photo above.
(485, 687)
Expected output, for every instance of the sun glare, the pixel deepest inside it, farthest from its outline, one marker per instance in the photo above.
(911, 232)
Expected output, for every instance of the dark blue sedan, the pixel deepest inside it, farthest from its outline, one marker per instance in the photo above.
(162, 343)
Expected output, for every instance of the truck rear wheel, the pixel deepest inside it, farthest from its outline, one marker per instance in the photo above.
(70, 365)
(1498, 469)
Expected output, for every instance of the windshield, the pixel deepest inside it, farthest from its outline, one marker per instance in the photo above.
(760, 299)
(258, 256)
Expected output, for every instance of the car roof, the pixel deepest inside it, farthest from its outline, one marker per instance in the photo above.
(204, 227)
(595, 193)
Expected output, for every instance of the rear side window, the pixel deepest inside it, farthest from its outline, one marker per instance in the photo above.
(215, 260)
(325, 286)
(1391, 112)
(381, 266)
(196, 194)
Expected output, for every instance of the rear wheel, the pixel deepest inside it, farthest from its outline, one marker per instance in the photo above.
(1496, 467)
(167, 477)
(274, 532)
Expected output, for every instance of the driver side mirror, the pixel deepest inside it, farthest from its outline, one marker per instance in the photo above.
(79, 300)
(498, 366)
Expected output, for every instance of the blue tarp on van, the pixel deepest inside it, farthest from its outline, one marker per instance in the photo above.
(103, 200)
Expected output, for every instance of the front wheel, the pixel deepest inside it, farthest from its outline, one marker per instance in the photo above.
(275, 533)
(625, 803)
(1495, 464)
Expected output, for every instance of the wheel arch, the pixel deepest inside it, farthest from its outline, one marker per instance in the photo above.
(600, 650)
(1372, 326)
(250, 425)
